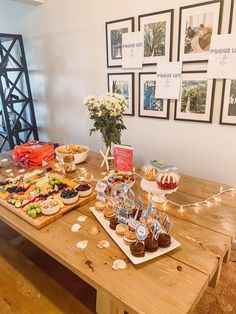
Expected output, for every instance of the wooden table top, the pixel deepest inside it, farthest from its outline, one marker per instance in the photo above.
(170, 284)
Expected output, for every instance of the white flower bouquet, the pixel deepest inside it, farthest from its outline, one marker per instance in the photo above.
(107, 112)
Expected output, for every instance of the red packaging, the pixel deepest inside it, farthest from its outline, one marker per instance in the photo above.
(123, 158)
(33, 153)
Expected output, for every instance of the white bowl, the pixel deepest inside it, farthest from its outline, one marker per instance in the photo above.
(69, 201)
(50, 210)
(118, 185)
(79, 157)
(85, 193)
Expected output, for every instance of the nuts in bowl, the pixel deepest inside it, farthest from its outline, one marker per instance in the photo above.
(69, 196)
(80, 152)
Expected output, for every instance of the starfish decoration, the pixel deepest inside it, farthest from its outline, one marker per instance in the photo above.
(106, 158)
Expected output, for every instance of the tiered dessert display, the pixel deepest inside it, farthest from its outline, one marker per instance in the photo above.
(160, 179)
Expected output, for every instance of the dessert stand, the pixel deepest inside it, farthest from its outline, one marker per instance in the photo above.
(159, 196)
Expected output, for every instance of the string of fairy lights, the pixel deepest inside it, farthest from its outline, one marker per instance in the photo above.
(216, 198)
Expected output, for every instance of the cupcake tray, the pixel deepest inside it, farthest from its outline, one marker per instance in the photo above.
(125, 248)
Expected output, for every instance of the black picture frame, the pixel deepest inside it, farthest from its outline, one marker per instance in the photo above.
(139, 102)
(221, 2)
(211, 102)
(130, 20)
(171, 12)
(131, 74)
(221, 120)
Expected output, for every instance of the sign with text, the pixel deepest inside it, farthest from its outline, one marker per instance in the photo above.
(168, 80)
(222, 57)
(123, 158)
(132, 50)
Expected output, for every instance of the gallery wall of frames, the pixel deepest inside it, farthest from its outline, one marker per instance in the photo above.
(197, 23)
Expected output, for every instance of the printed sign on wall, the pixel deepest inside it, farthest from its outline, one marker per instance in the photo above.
(222, 57)
(168, 80)
(132, 50)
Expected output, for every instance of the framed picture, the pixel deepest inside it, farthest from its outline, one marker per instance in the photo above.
(231, 17)
(197, 24)
(114, 31)
(157, 30)
(196, 97)
(149, 106)
(123, 84)
(228, 103)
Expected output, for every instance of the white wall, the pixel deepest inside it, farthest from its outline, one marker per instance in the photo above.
(65, 47)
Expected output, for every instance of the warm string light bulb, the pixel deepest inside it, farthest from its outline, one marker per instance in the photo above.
(181, 209)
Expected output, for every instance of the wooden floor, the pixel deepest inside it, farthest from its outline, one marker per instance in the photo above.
(221, 300)
(77, 287)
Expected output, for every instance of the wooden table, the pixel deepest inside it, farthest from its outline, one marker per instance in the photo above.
(170, 284)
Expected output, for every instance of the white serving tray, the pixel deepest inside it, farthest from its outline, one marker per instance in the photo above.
(125, 248)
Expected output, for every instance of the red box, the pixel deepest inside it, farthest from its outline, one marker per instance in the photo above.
(123, 158)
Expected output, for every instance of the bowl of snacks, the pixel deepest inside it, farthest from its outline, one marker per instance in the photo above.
(69, 196)
(119, 178)
(84, 189)
(50, 207)
(80, 152)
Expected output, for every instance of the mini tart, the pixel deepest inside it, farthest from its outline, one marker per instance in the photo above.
(164, 240)
(113, 223)
(108, 213)
(129, 237)
(121, 229)
(137, 249)
(100, 206)
(151, 244)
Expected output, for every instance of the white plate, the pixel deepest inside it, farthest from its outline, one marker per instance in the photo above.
(125, 248)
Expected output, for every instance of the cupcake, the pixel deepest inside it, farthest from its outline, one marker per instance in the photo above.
(129, 237)
(151, 243)
(113, 223)
(100, 206)
(121, 229)
(108, 213)
(137, 249)
(164, 240)
(168, 180)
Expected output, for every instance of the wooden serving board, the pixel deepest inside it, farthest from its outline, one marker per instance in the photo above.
(42, 221)
(125, 248)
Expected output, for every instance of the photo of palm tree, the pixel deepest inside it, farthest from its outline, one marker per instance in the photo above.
(116, 42)
(154, 39)
(193, 99)
(232, 99)
(150, 102)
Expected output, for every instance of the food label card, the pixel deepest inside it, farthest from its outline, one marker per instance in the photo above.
(123, 158)
(100, 187)
(141, 232)
(167, 224)
(123, 216)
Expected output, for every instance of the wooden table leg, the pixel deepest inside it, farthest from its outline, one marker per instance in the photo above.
(105, 305)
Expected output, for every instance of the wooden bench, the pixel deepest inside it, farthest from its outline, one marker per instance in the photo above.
(24, 288)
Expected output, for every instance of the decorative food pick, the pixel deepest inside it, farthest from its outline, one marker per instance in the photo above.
(100, 187)
(141, 232)
(149, 209)
(123, 216)
(156, 228)
(106, 158)
(167, 224)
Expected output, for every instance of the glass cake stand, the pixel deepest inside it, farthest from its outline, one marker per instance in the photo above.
(158, 195)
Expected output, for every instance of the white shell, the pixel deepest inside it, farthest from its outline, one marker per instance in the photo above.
(82, 244)
(21, 171)
(119, 264)
(94, 230)
(44, 163)
(75, 228)
(11, 174)
(4, 160)
(9, 170)
(103, 244)
(82, 218)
